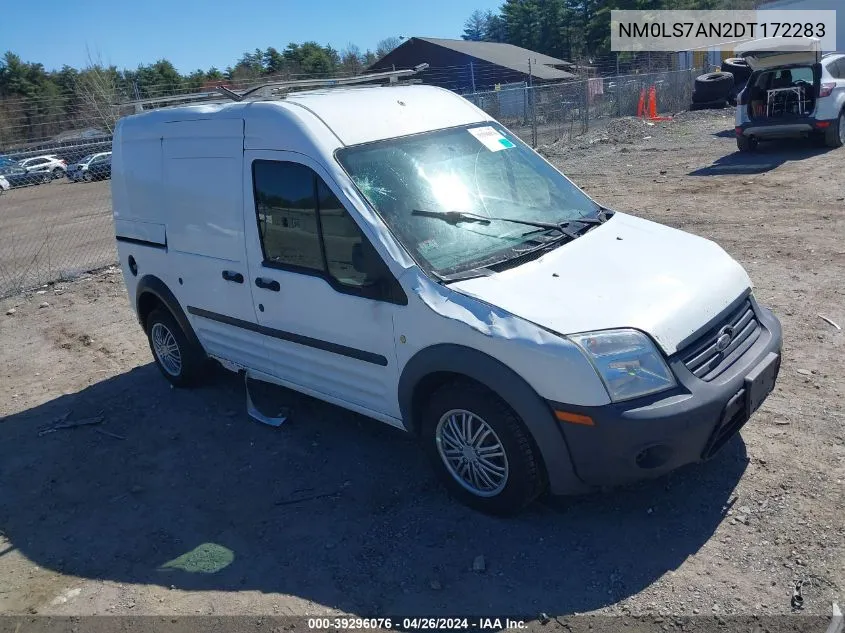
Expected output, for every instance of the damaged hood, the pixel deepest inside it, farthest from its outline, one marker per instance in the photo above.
(627, 272)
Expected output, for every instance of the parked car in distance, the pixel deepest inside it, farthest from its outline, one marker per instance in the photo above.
(92, 167)
(793, 91)
(20, 177)
(4, 184)
(5, 161)
(396, 251)
(42, 164)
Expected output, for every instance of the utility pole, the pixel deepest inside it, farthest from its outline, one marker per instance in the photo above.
(472, 75)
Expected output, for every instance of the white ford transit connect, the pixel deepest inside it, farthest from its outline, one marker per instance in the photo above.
(395, 251)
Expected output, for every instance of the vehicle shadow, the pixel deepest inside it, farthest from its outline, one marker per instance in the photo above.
(181, 488)
(725, 133)
(769, 155)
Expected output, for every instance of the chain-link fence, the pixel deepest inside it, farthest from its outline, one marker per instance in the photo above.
(544, 114)
(55, 205)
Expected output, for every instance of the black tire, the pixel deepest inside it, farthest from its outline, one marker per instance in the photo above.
(709, 105)
(834, 136)
(191, 360)
(713, 86)
(701, 97)
(746, 143)
(525, 479)
(739, 68)
(57, 173)
(87, 177)
(46, 179)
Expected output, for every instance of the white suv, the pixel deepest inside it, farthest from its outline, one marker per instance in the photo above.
(50, 163)
(792, 91)
(395, 251)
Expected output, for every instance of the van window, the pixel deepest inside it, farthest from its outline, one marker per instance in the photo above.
(341, 237)
(304, 226)
(287, 214)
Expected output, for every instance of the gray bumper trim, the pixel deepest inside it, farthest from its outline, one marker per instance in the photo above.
(674, 428)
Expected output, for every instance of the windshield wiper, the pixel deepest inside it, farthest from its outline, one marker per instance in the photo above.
(453, 217)
(463, 275)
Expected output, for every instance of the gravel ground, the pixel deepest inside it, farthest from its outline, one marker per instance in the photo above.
(54, 231)
(176, 503)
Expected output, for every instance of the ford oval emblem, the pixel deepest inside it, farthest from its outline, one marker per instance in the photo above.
(723, 338)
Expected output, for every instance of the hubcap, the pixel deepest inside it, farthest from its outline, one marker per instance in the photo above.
(166, 349)
(472, 452)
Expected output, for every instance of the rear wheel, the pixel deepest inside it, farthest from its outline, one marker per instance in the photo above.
(177, 359)
(835, 134)
(480, 449)
(746, 143)
(57, 173)
(87, 177)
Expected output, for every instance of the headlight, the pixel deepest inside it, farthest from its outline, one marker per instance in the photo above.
(627, 361)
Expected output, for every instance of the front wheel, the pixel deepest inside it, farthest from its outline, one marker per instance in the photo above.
(481, 449)
(177, 359)
(87, 177)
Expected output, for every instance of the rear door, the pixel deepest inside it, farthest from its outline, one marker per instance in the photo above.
(774, 52)
(328, 329)
(203, 212)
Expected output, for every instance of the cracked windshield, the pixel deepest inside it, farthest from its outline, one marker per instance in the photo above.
(444, 194)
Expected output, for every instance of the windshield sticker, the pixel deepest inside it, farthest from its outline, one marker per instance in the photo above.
(490, 138)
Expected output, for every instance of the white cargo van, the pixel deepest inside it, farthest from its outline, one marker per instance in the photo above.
(395, 251)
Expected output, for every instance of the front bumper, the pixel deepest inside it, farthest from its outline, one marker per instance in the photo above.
(650, 436)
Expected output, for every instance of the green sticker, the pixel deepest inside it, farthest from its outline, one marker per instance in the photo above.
(506, 143)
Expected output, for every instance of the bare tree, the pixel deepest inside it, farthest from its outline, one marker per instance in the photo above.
(98, 91)
(351, 60)
(386, 45)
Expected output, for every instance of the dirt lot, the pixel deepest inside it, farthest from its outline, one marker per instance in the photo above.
(178, 503)
(53, 231)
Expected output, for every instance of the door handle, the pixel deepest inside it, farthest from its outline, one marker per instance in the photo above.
(231, 275)
(268, 284)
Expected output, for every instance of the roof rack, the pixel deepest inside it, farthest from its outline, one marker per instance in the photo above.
(278, 88)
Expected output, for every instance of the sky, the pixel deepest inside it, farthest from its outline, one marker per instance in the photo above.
(203, 33)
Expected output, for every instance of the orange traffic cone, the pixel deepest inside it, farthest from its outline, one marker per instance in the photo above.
(652, 103)
(641, 104)
(652, 106)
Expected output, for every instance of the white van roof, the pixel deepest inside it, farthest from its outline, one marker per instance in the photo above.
(353, 115)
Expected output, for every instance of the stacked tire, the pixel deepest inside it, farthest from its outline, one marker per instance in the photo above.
(739, 68)
(712, 90)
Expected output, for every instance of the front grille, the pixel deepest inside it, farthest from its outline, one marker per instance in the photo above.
(703, 357)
